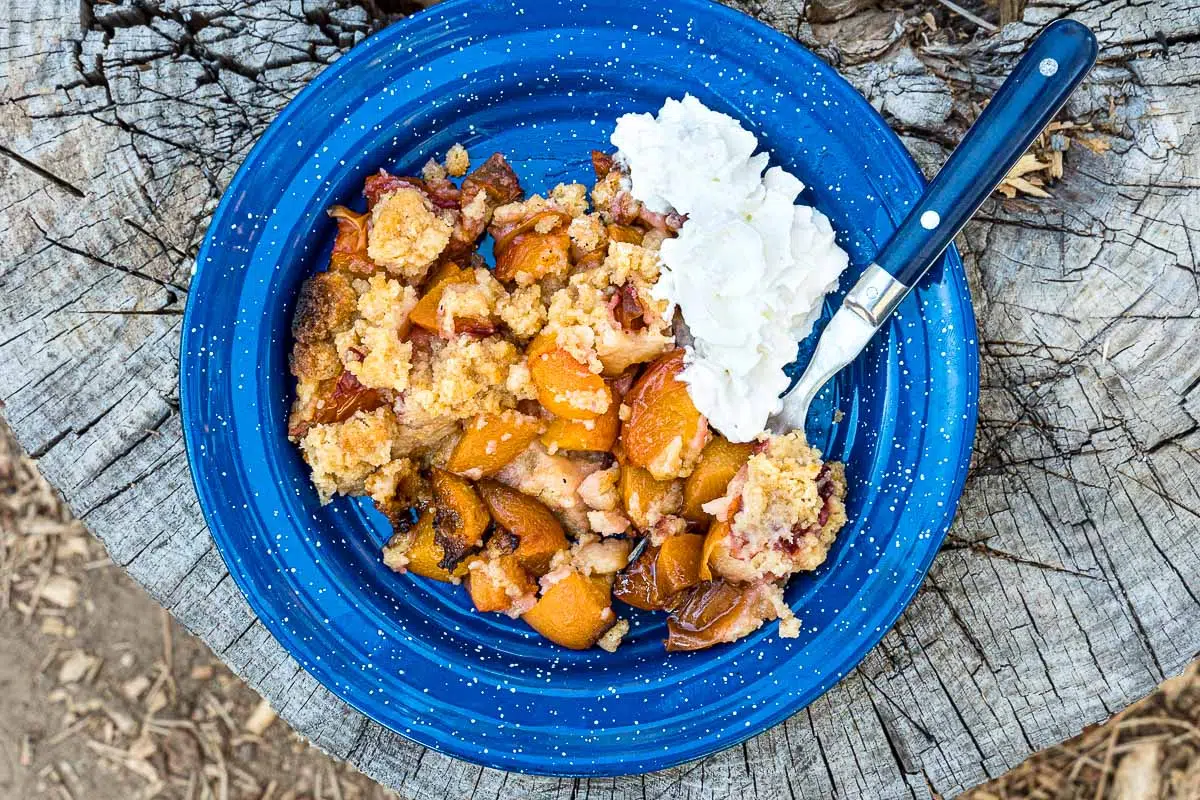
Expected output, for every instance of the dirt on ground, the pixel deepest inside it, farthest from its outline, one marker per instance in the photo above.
(104, 697)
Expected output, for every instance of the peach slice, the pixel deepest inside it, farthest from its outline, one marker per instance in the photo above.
(442, 270)
(425, 555)
(593, 435)
(490, 441)
(350, 244)
(424, 313)
(533, 256)
(462, 518)
(574, 612)
(623, 350)
(665, 433)
(641, 493)
(717, 532)
(678, 564)
(565, 386)
(625, 233)
(341, 400)
(538, 531)
(719, 462)
(658, 578)
(490, 592)
(717, 612)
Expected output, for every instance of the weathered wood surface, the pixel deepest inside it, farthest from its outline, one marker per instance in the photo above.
(1070, 583)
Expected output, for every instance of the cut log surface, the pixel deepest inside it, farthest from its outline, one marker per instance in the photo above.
(1070, 582)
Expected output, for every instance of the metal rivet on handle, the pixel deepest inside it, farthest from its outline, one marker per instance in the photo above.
(930, 220)
(1048, 66)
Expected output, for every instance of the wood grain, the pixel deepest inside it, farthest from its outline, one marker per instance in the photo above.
(1069, 584)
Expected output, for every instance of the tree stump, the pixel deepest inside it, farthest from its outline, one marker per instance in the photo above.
(1069, 583)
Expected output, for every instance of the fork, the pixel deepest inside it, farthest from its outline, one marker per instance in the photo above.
(1053, 66)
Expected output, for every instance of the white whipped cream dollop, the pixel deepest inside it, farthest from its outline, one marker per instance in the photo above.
(749, 268)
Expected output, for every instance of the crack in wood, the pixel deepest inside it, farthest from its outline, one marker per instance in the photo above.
(42, 172)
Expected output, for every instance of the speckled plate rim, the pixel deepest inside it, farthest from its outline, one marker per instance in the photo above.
(908, 174)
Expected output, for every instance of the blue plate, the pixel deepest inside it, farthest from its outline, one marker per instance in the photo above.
(543, 82)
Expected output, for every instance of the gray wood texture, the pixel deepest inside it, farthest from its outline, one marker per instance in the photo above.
(1069, 585)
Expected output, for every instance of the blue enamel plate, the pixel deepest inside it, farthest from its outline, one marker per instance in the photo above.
(543, 82)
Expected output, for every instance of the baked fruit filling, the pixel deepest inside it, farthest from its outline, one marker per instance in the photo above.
(523, 426)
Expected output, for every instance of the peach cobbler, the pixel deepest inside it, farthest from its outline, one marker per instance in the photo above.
(523, 426)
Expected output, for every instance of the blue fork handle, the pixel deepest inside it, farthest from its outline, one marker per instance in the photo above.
(1049, 71)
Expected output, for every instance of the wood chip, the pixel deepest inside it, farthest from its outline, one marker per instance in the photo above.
(121, 758)
(1027, 187)
(156, 697)
(335, 787)
(26, 751)
(168, 644)
(66, 733)
(261, 718)
(123, 722)
(1056, 165)
(135, 687)
(54, 626)
(1137, 776)
(94, 670)
(73, 547)
(143, 748)
(1097, 144)
(60, 590)
(152, 791)
(974, 19)
(76, 667)
(156, 701)
(202, 672)
(1026, 164)
(218, 710)
(70, 780)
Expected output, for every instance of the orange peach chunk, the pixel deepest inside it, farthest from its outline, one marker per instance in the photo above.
(539, 533)
(425, 313)
(657, 580)
(592, 435)
(719, 462)
(565, 386)
(425, 555)
(665, 433)
(462, 518)
(494, 589)
(717, 612)
(490, 441)
(645, 498)
(533, 256)
(574, 612)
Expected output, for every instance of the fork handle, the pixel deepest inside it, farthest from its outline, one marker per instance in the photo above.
(1051, 68)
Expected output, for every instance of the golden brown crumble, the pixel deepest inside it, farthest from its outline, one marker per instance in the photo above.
(372, 349)
(463, 377)
(790, 506)
(457, 160)
(343, 454)
(406, 235)
(523, 311)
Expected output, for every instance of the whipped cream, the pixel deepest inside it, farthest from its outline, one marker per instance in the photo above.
(749, 268)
